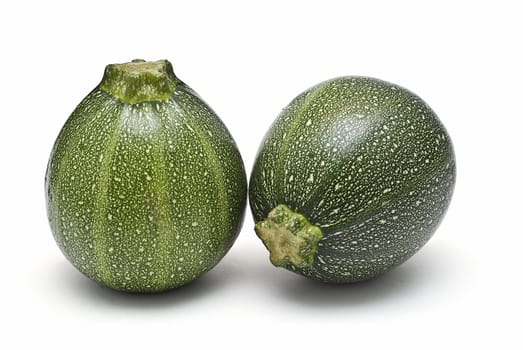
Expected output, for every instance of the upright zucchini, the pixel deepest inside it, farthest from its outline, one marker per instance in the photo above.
(351, 180)
(145, 187)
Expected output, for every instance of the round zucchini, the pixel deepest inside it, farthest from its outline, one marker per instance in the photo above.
(145, 187)
(352, 179)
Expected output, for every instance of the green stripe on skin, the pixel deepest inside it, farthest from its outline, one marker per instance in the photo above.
(290, 238)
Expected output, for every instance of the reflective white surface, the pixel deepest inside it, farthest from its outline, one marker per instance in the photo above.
(248, 61)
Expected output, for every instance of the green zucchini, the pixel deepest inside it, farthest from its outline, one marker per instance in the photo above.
(145, 187)
(352, 179)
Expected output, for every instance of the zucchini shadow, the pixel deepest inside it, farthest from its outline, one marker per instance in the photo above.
(81, 287)
(424, 274)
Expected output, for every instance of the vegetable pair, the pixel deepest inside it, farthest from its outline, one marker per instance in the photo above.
(146, 189)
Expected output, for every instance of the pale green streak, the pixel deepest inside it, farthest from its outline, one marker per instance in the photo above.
(216, 168)
(101, 203)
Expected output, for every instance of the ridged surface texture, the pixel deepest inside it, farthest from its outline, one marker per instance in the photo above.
(145, 197)
(366, 161)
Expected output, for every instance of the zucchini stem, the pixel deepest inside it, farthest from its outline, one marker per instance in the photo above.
(290, 238)
(140, 81)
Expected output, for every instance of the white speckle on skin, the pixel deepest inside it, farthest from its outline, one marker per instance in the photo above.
(194, 224)
(311, 178)
(148, 177)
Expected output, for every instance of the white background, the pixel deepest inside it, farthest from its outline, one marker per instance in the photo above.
(248, 60)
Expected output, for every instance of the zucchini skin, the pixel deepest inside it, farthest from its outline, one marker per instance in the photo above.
(147, 196)
(366, 161)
